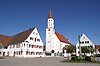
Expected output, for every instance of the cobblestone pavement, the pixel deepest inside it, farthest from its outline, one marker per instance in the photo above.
(48, 61)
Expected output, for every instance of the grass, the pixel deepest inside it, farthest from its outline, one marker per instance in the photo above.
(81, 61)
(76, 61)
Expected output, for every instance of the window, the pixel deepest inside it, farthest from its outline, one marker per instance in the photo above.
(33, 32)
(31, 38)
(78, 47)
(82, 42)
(32, 53)
(84, 37)
(35, 39)
(29, 45)
(24, 45)
(48, 29)
(40, 47)
(21, 52)
(36, 33)
(33, 46)
(37, 46)
(86, 41)
(38, 40)
(78, 52)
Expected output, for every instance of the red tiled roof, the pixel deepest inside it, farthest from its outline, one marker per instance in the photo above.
(62, 38)
(97, 46)
(20, 37)
(4, 40)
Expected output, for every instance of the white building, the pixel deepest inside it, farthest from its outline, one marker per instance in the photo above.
(84, 42)
(25, 44)
(54, 41)
(97, 49)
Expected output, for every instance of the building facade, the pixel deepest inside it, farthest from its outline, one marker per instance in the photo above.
(25, 44)
(85, 42)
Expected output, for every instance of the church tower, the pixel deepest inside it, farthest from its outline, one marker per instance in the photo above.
(49, 32)
(55, 42)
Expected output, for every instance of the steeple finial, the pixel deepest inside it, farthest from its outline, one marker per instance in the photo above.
(50, 14)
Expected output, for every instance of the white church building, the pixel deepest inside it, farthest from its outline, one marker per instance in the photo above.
(55, 42)
(25, 44)
(84, 42)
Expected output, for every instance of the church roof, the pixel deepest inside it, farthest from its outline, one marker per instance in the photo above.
(62, 38)
(4, 40)
(50, 14)
(22, 36)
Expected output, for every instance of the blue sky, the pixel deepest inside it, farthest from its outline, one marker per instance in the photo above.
(72, 17)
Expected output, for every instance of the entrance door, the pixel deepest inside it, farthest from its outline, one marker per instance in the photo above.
(3, 53)
(14, 54)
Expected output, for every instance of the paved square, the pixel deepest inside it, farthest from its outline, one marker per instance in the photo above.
(13, 61)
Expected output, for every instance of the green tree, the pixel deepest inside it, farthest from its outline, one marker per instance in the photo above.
(70, 49)
(92, 51)
(85, 49)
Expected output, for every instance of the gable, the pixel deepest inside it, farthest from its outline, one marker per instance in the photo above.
(34, 37)
(85, 40)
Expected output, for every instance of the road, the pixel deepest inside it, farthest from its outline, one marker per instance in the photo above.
(48, 61)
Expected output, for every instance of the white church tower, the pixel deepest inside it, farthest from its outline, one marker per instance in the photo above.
(55, 42)
(49, 32)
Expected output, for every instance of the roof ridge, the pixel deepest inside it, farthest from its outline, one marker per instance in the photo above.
(21, 36)
(24, 31)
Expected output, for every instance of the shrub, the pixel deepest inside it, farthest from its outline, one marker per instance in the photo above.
(87, 58)
(97, 55)
(74, 58)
